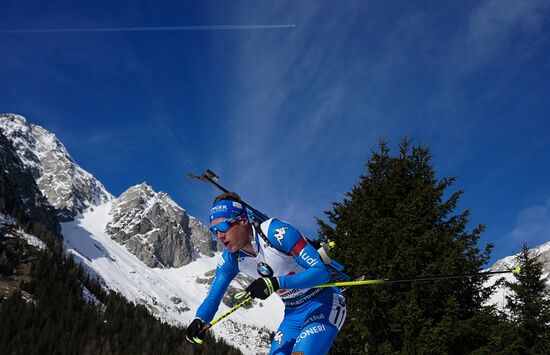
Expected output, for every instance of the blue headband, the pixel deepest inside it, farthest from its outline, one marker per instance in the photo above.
(227, 209)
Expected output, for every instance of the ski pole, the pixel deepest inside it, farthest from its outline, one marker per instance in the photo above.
(358, 282)
(360, 278)
(414, 279)
(245, 301)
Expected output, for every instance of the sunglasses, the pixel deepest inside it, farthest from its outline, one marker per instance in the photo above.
(224, 226)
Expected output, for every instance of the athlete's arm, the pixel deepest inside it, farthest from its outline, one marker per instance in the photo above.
(289, 240)
(226, 270)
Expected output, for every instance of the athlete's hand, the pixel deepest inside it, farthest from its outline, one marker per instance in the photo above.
(263, 287)
(195, 331)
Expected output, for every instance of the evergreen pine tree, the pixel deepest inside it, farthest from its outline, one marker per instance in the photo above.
(396, 223)
(58, 321)
(529, 306)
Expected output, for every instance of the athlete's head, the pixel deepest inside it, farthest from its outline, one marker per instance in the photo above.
(228, 205)
(228, 221)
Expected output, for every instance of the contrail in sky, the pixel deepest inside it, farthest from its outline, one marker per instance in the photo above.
(143, 29)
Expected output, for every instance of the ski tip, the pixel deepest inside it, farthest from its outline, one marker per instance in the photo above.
(516, 270)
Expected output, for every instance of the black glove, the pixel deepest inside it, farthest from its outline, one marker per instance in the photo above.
(263, 287)
(195, 331)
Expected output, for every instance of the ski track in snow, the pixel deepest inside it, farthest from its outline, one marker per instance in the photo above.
(154, 287)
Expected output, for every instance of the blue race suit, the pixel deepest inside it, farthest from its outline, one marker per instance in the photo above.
(313, 316)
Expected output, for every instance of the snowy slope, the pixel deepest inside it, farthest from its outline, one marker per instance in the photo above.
(171, 294)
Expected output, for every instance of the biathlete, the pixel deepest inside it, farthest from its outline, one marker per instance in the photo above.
(282, 261)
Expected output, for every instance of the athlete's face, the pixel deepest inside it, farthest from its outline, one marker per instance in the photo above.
(236, 237)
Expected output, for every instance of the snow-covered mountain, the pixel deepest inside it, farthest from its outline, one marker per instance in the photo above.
(150, 224)
(21, 198)
(141, 244)
(68, 187)
(153, 227)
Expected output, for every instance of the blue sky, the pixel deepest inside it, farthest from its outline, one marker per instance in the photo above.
(288, 117)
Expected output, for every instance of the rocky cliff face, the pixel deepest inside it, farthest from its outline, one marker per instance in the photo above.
(200, 237)
(154, 228)
(67, 187)
(150, 224)
(21, 198)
